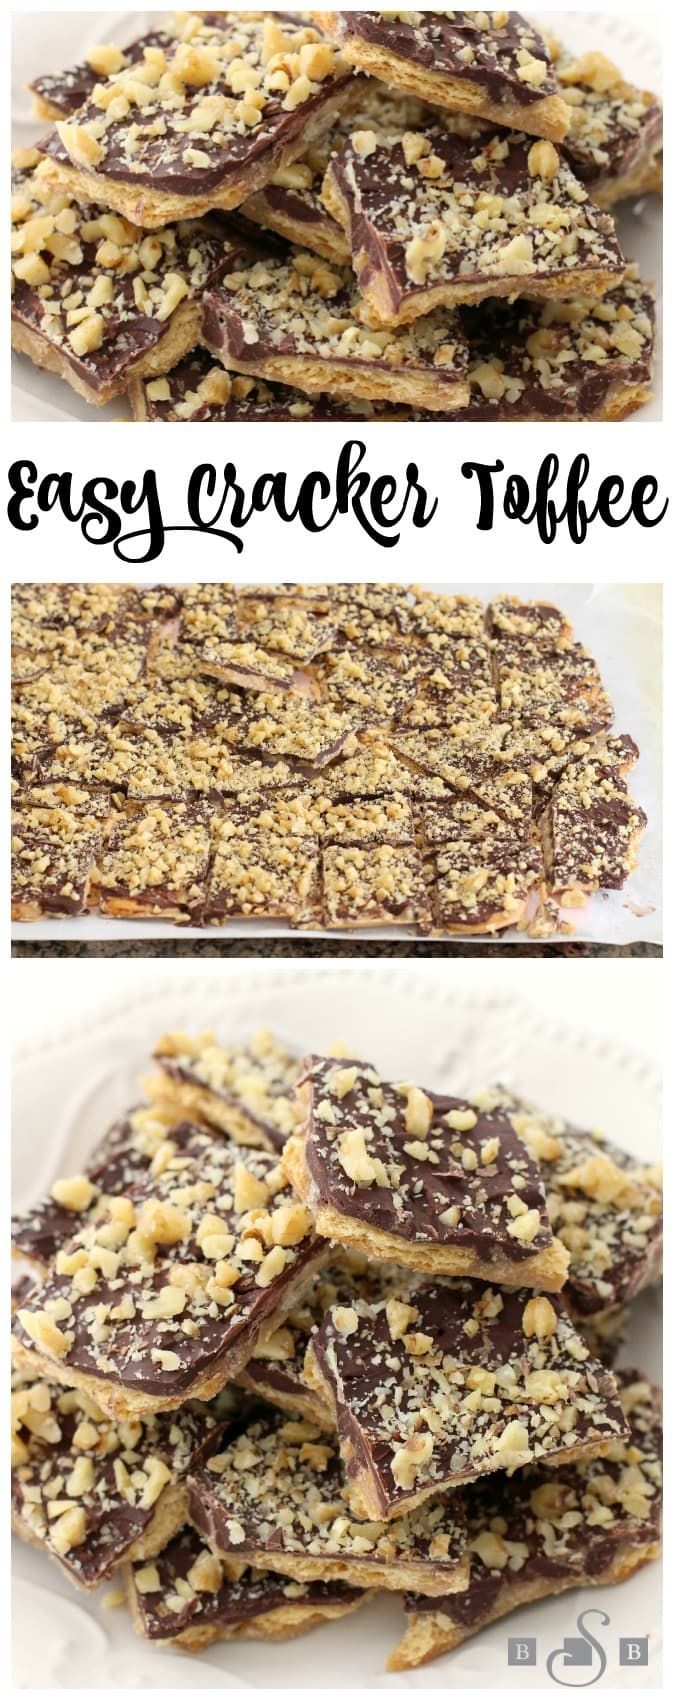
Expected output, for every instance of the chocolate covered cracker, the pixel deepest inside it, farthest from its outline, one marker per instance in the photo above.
(94, 1492)
(606, 1207)
(299, 321)
(97, 301)
(55, 847)
(265, 863)
(204, 121)
(438, 220)
(200, 390)
(246, 1091)
(165, 1295)
(188, 1598)
(543, 1531)
(373, 886)
(458, 1381)
(274, 1497)
(420, 1178)
(615, 138)
(156, 862)
(591, 830)
(487, 64)
(482, 882)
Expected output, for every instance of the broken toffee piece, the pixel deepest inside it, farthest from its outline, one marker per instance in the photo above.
(55, 847)
(590, 831)
(156, 861)
(422, 1179)
(98, 301)
(198, 390)
(457, 1380)
(582, 1525)
(273, 1497)
(605, 1206)
(484, 884)
(615, 139)
(299, 321)
(93, 1492)
(373, 885)
(437, 220)
(165, 1295)
(246, 1091)
(204, 121)
(58, 94)
(187, 1598)
(489, 65)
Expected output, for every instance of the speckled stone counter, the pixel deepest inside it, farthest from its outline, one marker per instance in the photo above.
(285, 949)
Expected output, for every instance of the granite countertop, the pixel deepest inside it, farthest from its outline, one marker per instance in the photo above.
(308, 948)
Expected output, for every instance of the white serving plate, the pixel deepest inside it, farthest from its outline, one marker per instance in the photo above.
(621, 625)
(69, 1082)
(47, 41)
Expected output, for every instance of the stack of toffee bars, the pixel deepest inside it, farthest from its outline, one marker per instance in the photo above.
(297, 1334)
(337, 215)
(334, 756)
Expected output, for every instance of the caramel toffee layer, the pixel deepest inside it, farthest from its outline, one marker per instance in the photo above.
(186, 1589)
(276, 1494)
(225, 96)
(253, 1083)
(86, 1488)
(547, 1530)
(99, 291)
(605, 1207)
(497, 215)
(178, 1272)
(506, 61)
(300, 310)
(426, 1168)
(458, 1381)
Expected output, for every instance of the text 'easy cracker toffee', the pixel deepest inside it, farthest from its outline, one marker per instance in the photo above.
(94, 1492)
(246, 1091)
(543, 1531)
(438, 220)
(164, 1296)
(203, 121)
(189, 1598)
(452, 1382)
(97, 300)
(299, 321)
(274, 1498)
(487, 64)
(420, 1178)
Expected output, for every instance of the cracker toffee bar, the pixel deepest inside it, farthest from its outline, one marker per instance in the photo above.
(543, 1531)
(189, 1598)
(202, 123)
(274, 1498)
(420, 1178)
(436, 220)
(488, 65)
(164, 1296)
(245, 1091)
(458, 1380)
(98, 301)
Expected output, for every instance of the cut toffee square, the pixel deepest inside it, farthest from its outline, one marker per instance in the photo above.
(164, 1297)
(265, 863)
(274, 1497)
(484, 886)
(98, 301)
(55, 848)
(488, 65)
(590, 830)
(303, 733)
(373, 885)
(246, 1091)
(438, 221)
(366, 821)
(589, 1524)
(253, 668)
(94, 1493)
(198, 390)
(422, 1179)
(615, 139)
(188, 1598)
(559, 686)
(460, 1380)
(508, 617)
(203, 122)
(156, 862)
(605, 1206)
(299, 321)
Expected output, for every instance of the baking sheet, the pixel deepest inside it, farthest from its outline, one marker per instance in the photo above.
(47, 41)
(69, 1081)
(621, 625)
